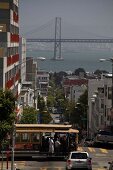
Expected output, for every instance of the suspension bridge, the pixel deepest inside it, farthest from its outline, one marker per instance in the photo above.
(57, 40)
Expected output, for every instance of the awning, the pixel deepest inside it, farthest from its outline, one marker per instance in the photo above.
(73, 131)
(48, 130)
(30, 128)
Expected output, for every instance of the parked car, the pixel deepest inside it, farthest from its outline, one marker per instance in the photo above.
(104, 136)
(78, 160)
(88, 142)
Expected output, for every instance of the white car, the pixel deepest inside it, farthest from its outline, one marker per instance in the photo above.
(78, 160)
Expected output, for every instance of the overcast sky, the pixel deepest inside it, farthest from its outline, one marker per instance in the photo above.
(92, 15)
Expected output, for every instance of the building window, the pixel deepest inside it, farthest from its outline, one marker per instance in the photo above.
(25, 137)
(106, 90)
(109, 92)
(4, 5)
(102, 103)
(101, 90)
(2, 27)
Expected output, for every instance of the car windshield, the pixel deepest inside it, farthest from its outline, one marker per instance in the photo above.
(79, 156)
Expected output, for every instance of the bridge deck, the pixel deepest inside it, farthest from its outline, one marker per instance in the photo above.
(71, 40)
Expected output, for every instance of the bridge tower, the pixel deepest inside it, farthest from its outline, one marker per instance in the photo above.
(57, 42)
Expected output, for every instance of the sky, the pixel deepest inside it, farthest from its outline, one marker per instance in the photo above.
(95, 16)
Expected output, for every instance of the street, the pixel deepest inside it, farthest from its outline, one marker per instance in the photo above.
(100, 158)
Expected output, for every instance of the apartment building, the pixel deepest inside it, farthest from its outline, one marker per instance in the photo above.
(9, 45)
(74, 87)
(99, 102)
(95, 101)
(31, 70)
(42, 82)
(22, 54)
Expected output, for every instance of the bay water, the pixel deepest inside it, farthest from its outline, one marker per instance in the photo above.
(73, 59)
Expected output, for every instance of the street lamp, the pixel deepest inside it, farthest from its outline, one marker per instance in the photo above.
(111, 60)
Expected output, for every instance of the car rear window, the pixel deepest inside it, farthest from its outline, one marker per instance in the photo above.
(79, 156)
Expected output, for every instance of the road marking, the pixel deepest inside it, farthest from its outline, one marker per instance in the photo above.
(103, 150)
(100, 155)
(57, 168)
(91, 149)
(80, 149)
(98, 168)
(21, 163)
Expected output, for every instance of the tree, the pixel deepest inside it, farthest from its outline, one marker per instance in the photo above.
(78, 71)
(7, 114)
(76, 113)
(58, 77)
(45, 117)
(99, 72)
(50, 101)
(82, 106)
(41, 103)
(83, 99)
(29, 116)
(68, 114)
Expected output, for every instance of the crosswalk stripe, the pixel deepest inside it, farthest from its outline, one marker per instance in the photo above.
(91, 149)
(99, 168)
(80, 149)
(97, 150)
(104, 150)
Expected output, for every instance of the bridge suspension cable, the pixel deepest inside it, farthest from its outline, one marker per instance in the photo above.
(38, 29)
(57, 40)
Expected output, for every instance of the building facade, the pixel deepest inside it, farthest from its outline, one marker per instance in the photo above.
(22, 54)
(42, 82)
(74, 87)
(9, 45)
(31, 70)
(99, 102)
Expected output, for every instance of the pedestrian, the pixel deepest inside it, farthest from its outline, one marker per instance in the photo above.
(51, 146)
(64, 145)
(57, 146)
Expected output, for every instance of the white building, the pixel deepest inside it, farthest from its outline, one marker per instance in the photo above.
(42, 82)
(99, 102)
(27, 95)
(74, 87)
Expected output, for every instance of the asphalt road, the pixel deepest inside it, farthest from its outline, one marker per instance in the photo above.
(100, 158)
